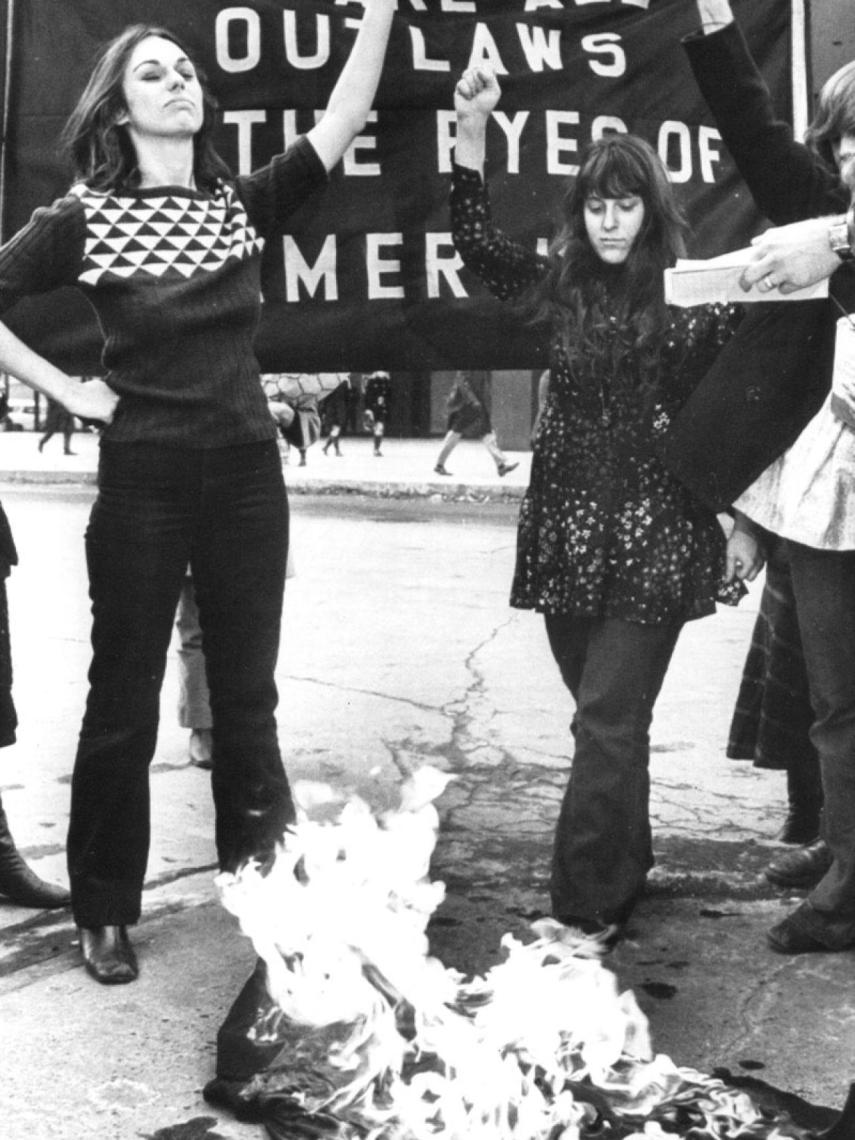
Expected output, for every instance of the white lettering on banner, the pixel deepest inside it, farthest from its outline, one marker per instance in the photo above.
(675, 136)
(421, 62)
(512, 128)
(605, 44)
(352, 163)
(322, 43)
(557, 144)
(377, 266)
(252, 24)
(707, 138)
(446, 124)
(442, 266)
(244, 120)
(682, 152)
(319, 280)
(485, 50)
(298, 271)
(541, 48)
(533, 5)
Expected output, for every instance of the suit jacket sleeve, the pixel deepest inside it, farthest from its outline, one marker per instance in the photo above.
(772, 377)
(786, 179)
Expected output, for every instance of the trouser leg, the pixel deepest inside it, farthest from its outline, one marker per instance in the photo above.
(238, 565)
(451, 441)
(602, 850)
(824, 586)
(492, 444)
(194, 708)
(137, 551)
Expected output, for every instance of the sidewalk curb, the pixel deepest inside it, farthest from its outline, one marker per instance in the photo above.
(375, 489)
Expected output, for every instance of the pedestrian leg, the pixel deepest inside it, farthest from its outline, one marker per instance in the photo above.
(499, 458)
(451, 441)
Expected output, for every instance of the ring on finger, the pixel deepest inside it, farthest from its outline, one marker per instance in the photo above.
(769, 281)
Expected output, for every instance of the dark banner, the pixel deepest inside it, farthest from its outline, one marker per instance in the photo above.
(367, 278)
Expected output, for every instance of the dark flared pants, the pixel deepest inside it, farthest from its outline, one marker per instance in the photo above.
(602, 852)
(223, 512)
(824, 587)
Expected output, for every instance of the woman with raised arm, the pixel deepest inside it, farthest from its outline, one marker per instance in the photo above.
(189, 470)
(787, 463)
(612, 550)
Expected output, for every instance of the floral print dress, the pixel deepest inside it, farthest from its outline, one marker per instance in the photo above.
(605, 530)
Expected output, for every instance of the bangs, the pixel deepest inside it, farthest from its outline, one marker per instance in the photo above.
(613, 172)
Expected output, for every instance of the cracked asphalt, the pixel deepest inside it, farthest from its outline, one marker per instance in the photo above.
(399, 650)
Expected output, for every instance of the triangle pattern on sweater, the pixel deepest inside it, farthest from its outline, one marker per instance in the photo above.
(165, 236)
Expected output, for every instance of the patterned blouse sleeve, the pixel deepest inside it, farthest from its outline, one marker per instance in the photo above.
(506, 267)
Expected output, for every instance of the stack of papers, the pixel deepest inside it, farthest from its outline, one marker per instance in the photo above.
(716, 281)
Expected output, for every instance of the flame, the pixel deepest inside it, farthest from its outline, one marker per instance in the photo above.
(539, 1048)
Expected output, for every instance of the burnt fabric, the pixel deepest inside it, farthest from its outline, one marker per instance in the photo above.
(266, 1066)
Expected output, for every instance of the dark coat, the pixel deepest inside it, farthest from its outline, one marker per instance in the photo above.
(772, 377)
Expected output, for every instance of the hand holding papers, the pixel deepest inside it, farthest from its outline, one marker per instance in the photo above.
(715, 280)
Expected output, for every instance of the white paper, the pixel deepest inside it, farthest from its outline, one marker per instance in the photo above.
(715, 280)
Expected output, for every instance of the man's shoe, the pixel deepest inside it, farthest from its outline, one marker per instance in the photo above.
(440, 470)
(801, 868)
(108, 955)
(788, 937)
(507, 468)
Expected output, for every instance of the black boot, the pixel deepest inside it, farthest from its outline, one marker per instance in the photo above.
(18, 883)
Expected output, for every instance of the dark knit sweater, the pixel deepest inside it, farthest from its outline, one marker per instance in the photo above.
(174, 276)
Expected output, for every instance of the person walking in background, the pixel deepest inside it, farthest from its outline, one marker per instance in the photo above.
(377, 399)
(788, 465)
(468, 415)
(353, 398)
(189, 470)
(612, 550)
(334, 415)
(58, 420)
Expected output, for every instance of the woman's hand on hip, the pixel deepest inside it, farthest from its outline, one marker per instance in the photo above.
(93, 400)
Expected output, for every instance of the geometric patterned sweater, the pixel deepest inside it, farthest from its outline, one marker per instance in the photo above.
(174, 277)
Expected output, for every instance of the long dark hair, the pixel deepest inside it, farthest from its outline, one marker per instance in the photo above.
(835, 113)
(100, 149)
(580, 290)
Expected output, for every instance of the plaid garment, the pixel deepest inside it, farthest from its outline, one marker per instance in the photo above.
(773, 711)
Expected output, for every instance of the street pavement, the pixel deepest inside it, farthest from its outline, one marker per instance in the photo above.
(399, 650)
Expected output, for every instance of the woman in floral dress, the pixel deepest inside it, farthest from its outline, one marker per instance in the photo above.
(612, 549)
